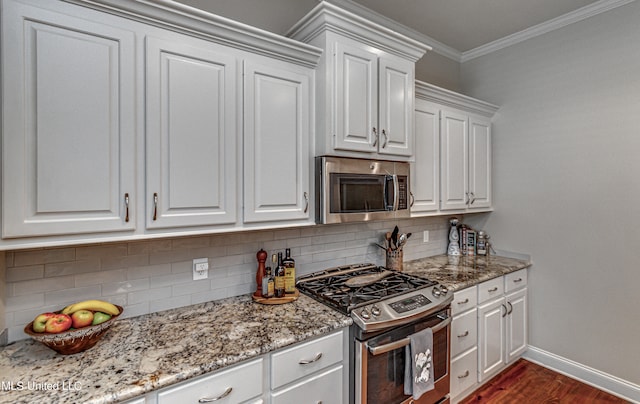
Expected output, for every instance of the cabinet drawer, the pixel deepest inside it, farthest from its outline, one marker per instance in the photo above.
(490, 289)
(322, 388)
(464, 372)
(464, 300)
(289, 364)
(464, 332)
(515, 280)
(244, 381)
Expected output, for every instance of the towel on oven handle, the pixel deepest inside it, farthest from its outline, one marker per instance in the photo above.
(418, 371)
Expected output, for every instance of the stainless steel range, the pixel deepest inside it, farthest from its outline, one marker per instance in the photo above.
(387, 307)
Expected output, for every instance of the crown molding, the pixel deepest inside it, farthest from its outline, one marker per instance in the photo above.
(354, 21)
(543, 28)
(442, 96)
(195, 22)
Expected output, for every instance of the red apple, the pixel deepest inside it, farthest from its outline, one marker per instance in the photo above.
(82, 318)
(58, 323)
(40, 321)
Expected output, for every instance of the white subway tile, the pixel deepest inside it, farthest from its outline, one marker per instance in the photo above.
(191, 287)
(149, 295)
(71, 267)
(132, 285)
(169, 303)
(170, 279)
(148, 247)
(148, 271)
(186, 243)
(134, 310)
(208, 296)
(100, 277)
(72, 295)
(43, 256)
(15, 274)
(42, 285)
(25, 302)
(101, 251)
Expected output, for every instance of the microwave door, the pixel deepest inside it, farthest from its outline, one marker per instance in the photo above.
(392, 193)
(354, 193)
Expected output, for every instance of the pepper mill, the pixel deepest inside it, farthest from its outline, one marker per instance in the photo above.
(262, 258)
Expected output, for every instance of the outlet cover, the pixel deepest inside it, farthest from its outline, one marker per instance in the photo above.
(425, 236)
(200, 268)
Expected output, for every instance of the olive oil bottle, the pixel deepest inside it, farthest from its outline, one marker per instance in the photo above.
(280, 276)
(289, 272)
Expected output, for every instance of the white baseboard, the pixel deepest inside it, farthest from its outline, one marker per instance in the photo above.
(593, 377)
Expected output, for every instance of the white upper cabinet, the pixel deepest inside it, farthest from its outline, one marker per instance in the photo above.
(277, 128)
(69, 129)
(365, 83)
(191, 130)
(425, 171)
(464, 130)
(114, 129)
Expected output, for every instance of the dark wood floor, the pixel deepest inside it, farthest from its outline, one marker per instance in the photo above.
(526, 382)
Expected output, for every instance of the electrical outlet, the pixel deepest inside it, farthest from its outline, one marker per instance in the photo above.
(200, 268)
(425, 236)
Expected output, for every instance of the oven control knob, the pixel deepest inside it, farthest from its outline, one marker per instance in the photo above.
(435, 291)
(375, 310)
(365, 314)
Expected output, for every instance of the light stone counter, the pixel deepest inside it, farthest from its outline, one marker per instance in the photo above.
(145, 353)
(460, 272)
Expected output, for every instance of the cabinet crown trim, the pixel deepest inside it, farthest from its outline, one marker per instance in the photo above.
(329, 17)
(175, 16)
(429, 92)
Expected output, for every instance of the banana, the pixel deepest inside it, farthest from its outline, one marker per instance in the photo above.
(93, 305)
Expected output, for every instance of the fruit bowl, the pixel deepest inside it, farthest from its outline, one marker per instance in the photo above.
(73, 340)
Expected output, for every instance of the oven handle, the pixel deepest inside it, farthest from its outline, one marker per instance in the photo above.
(378, 350)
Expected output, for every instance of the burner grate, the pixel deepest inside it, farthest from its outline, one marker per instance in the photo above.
(330, 286)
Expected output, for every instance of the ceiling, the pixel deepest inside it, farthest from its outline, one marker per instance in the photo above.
(462, 25)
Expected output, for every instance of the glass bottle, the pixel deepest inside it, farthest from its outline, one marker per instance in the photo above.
(280, 277)
(289, 272)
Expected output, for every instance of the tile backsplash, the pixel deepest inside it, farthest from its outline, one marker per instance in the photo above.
(155, 275)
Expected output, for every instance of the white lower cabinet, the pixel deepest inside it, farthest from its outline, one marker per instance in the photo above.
(314, 371)
(325, 387)
(235, 385)
(488, 331)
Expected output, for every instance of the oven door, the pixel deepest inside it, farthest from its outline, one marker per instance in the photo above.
(380, 363)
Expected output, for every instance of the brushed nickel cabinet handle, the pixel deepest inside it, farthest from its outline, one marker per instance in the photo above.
(126, 204)
(466, 333)
(510, 308)
(308, 361)
(386, 138)
(517, 280)
(472, 199)
(465, 301)
(306, 198)
(464, 375)
(505, 310)
(220, 397)
(493, 290)
(155, 206)
(375, 137)
(413, 199)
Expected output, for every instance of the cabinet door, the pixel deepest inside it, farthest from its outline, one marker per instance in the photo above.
(276, 141)
(491, 339)
(395, 106)
(516, 324)
(425, 172)
(191, 132)
(479, 163)
(68, 123)
(453, 144)
(356, 99)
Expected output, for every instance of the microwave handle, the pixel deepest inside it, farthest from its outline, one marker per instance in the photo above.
(396, 192)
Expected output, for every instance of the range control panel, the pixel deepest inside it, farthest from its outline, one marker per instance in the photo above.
(410, 303)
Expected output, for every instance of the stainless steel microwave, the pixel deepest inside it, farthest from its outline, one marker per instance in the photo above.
(357, 190)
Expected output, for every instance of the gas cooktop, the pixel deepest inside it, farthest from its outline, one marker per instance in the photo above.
(375, 297)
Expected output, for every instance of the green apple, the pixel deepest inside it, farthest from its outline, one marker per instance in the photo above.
(40, 321)
(100, 317)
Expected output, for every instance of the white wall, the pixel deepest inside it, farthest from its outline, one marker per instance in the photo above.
(567, 185)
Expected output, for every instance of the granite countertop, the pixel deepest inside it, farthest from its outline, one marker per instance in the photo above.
(459, 272)
(145, 353)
